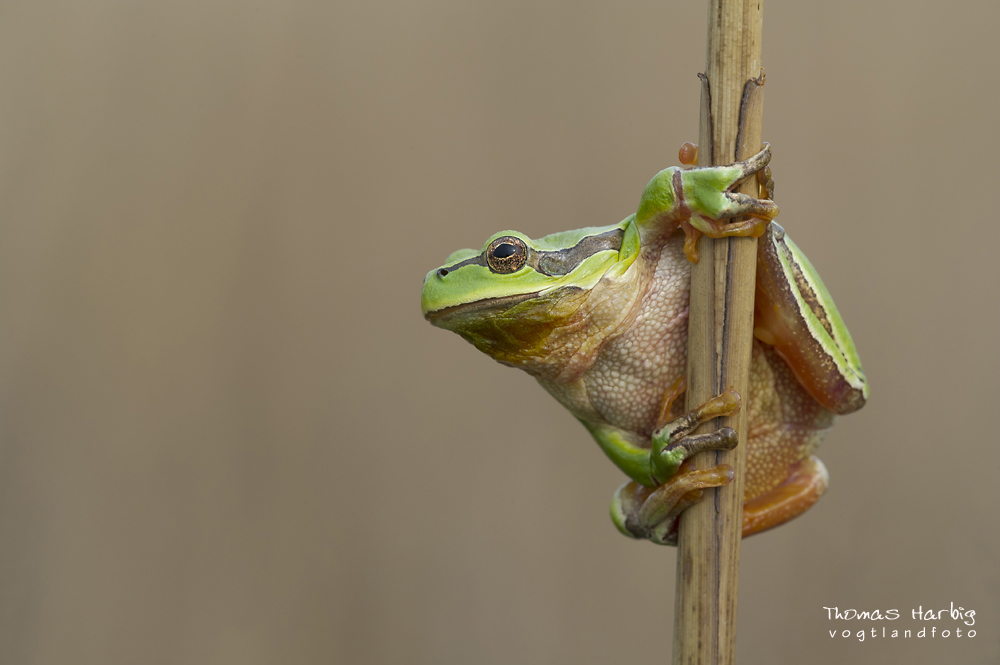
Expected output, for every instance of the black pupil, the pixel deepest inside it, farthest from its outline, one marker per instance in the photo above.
(504, 250)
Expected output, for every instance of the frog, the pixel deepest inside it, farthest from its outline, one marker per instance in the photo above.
(598, 317)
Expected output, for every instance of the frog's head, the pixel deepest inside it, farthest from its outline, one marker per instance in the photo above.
(528, 302)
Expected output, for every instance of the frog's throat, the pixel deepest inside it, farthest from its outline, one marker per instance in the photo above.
(537, 332)
(554, 334)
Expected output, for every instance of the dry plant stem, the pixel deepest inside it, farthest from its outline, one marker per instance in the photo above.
(720, 330)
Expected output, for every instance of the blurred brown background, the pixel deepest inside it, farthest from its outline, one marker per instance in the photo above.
(227, 435)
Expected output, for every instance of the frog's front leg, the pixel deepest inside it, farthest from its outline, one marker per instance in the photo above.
(700, 201)
(664, 484)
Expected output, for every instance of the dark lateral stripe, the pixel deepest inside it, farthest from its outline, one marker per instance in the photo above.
(773, 243)
(564, 261)
(500, 304)
(807, 292)
(559, 262)
(474, 261)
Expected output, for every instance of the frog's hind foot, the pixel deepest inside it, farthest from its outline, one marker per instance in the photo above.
(803, 487)
(652, 514)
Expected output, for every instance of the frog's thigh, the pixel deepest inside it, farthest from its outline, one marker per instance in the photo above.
(794, 313)
(794, 496)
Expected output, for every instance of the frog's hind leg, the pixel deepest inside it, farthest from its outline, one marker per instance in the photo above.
(652, 513)
(794, 313)
(803, 487)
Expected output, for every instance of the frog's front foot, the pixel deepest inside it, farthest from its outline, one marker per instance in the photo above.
(713, 203)
(672, 443)
(651, 512)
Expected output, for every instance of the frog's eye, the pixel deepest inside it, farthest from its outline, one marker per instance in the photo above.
(506, 255)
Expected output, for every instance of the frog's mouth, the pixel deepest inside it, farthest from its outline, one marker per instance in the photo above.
(452, 318)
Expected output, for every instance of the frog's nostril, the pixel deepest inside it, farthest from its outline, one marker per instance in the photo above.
(442, 272)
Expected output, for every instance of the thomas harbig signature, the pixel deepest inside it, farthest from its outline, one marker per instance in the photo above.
(961, 615)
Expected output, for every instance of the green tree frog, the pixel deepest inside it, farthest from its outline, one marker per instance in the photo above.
(598, 316)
